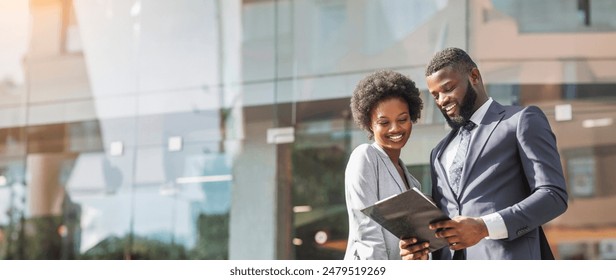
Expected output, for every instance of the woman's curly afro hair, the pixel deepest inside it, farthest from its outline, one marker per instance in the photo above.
(380, 86)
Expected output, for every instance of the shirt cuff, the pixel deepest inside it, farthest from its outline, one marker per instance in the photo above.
(496, 226)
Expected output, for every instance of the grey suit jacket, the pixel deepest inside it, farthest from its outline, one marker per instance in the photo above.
(369, 177)
(513, 168)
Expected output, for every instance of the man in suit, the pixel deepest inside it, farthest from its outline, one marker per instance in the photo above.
(497, 174)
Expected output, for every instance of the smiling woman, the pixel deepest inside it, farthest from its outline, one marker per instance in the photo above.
(391, 126)
(385, 104)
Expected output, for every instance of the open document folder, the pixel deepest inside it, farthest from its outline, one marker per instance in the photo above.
(408, 214)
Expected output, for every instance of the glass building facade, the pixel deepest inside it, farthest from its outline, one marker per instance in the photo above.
(220, 129)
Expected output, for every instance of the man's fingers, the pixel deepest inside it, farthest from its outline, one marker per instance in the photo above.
(441, 224)
(446, 233)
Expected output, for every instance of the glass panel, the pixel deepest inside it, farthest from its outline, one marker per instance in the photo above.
(258, 47)
(581, 176)
(77, 196)
(569, 73)
(319, 159)
(101, 189)
(325, 37)
(552, 16)
(192, 195)
(12, 192)
(15, 23)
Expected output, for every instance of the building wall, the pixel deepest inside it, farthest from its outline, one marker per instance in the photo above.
(127, 134)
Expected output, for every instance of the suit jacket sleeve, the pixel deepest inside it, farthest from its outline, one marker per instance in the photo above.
(361, 187)
(543, 171)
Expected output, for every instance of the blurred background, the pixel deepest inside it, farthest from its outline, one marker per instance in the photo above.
(220, 129)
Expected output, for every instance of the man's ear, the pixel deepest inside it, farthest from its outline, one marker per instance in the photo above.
(475, 76)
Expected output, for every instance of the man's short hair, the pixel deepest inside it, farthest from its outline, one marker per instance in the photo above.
(454, 57)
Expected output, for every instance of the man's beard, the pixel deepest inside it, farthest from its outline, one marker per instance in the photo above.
(466, 111)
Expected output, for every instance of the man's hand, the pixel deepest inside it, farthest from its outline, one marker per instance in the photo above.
(461, 232)
(411, 250)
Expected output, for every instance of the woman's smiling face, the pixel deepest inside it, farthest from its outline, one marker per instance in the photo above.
(391, 124)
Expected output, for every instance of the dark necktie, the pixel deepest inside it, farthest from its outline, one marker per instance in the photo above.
(455, 171)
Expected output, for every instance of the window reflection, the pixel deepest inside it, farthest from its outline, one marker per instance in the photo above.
(127, 135)
(553, 16)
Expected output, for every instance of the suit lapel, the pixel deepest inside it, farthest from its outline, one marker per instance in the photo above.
(490, 121)
(393, 172)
